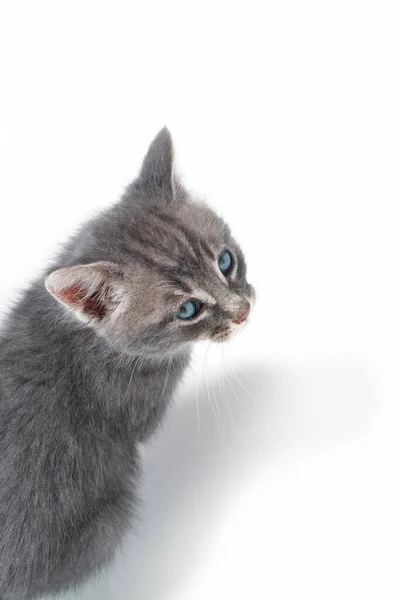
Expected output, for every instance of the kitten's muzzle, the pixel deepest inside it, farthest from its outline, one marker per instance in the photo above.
(243, 314)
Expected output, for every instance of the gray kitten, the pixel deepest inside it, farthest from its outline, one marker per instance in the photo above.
(89, 359)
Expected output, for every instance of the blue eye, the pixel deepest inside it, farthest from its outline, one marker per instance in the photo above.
(189, 309)
(225, 261)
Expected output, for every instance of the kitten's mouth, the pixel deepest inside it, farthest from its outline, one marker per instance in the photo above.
(228, 332)
(221, 337)
(234, 326)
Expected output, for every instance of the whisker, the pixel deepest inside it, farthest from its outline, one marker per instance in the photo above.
(216, 399)
(242, 373)
(208, 393)
(224, 394)
(240, 383)
(233, 389)
(135, 367)
(166, 377)
(215, 396)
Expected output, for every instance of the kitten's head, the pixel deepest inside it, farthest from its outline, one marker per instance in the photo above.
(157, 271)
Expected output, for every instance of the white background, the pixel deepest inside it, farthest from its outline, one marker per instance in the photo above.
(285, 116)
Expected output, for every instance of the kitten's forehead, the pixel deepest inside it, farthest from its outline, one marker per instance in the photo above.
(200, 225)
(185, 239)
(205, 220)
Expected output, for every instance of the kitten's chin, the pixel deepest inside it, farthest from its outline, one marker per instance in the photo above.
(231, 331)
(221, 338)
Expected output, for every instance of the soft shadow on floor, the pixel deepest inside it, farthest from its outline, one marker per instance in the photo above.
(195, 465)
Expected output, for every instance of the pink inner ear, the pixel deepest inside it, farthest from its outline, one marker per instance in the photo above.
(75, 296)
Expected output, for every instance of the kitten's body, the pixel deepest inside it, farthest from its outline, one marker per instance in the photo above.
(71, 414)
(77, 395)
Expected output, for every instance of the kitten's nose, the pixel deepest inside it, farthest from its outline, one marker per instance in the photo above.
(244, 314)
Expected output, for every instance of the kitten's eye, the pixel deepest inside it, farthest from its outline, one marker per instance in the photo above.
(225, 261)
(189, 310)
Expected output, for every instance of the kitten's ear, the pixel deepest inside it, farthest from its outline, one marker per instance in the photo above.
(91, 291)
(156, 174)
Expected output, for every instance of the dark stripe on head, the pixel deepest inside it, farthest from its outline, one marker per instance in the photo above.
(191, 236)
(207, 249)
(171, 227)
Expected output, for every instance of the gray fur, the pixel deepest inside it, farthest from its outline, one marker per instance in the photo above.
(80, 388)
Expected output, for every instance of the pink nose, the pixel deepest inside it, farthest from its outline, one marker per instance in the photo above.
(244, 314)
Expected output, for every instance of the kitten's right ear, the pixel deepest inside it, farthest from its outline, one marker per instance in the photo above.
(156, 175)
(91, 291)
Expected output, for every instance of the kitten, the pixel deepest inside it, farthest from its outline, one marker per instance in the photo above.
(89, 359)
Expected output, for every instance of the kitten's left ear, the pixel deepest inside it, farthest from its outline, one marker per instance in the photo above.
(91, 291)
(156, 174)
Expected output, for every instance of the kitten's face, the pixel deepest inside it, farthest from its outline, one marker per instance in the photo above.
(188, 282)
(163, 271)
